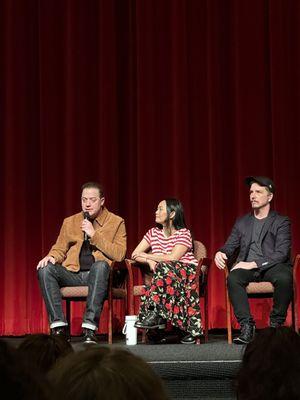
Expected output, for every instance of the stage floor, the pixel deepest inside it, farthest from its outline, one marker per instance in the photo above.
(217, 345)
(205, 371)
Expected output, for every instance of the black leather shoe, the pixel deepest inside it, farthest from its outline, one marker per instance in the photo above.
(60, 331)
(246, 335)
(189, 339)
(89, 336)
(151, 321)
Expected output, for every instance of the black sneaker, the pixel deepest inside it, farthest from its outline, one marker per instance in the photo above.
(89, 336)
(246, 335)
(59, 331)
(151, 321)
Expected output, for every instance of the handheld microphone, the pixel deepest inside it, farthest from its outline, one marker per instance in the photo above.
(86, 215)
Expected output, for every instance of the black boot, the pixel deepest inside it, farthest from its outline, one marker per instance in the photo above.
(140, 319)
(151, 321)
(246, 335)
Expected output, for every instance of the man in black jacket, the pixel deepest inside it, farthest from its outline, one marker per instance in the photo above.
(262, 242)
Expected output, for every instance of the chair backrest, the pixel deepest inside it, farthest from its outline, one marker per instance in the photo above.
(199, 250)
(200, 253)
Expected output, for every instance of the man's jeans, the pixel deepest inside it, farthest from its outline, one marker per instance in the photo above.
(53, 277)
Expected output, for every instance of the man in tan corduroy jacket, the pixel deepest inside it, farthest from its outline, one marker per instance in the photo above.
(87, 244)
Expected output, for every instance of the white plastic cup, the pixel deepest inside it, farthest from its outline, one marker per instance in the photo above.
(129, 330)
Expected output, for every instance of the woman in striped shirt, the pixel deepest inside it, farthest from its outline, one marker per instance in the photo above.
(172, 294)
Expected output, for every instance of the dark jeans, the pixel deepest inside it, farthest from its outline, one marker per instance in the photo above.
(280, 276)
(53, 277)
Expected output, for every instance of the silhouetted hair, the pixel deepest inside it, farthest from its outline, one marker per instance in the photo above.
(178, 220)
(44, 350)
(105, 373)
(271, 366)
(93, 185)
(19, 380)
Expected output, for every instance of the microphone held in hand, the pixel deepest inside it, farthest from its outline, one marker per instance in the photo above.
(86, 215)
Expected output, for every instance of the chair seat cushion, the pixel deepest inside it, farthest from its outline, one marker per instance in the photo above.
(260, 287)
(82, 291)
(74, 291)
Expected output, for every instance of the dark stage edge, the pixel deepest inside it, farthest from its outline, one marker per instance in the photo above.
(194, 372)
(205, 371)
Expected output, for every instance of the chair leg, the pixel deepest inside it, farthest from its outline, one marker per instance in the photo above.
(68, 311)
(110, 318)
(110, 326)
(130, 301)
(206, 317)
(68, 315)
(228, 317)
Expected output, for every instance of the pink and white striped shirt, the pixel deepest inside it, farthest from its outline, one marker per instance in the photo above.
(160, 244)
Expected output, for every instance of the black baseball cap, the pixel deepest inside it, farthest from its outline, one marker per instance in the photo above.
(262, 181)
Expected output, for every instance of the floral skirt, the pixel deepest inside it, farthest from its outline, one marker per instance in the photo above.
(173, 295)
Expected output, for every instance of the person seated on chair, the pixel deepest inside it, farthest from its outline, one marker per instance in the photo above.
(263, 242)
(87, 244)
(172, 294)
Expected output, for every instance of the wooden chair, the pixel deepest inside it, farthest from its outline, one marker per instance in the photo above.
(141, 273)
(79, 293)
(264, 290)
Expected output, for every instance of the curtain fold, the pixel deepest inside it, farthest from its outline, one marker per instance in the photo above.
(154, 99)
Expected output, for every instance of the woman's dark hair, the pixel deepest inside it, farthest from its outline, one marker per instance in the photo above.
(178, 220)
(20, 379)
(44, 350)
(270, 367)
(105, 373)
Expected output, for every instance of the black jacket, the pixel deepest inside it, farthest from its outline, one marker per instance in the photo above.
(275, 240)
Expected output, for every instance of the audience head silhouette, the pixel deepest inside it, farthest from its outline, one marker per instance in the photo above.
(104, 373)
(17, 381)
(271, 366)
(43, 350)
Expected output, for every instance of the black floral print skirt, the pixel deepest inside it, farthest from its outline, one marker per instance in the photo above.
(173, 295)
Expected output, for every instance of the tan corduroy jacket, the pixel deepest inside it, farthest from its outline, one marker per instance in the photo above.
(109, 240)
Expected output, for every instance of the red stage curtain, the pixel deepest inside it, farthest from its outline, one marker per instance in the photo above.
(154, 99)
